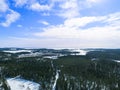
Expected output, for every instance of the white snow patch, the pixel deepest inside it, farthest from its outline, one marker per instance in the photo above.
(51, 57)
(118, 61)
(80, 51)
(56, 78)
(22, 84)
(30, 55)
(17, 51)
(94, 59)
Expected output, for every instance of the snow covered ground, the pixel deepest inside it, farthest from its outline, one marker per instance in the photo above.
(56, 78)
(51, 57)
(22, 84)
(118, 61)
(80, 51)
(17, 51)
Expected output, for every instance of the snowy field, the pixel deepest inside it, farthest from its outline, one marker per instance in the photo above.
(16, 51)
(22, 84)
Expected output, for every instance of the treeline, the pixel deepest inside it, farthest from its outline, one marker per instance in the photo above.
(29, 68)
(80, 73)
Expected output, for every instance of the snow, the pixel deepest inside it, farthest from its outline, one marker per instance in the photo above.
(17, 51)
(22, 84)
(51, 57)
(80, 51)
(56, 78)
(94, 59)
(118, 61)
(30, 55)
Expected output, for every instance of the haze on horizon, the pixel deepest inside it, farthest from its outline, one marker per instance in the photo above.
(60, 23)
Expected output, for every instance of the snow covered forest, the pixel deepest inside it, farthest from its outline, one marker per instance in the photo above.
(59, 69)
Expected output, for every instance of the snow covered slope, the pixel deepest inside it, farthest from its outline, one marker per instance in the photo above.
(21, 84)
(17, 51)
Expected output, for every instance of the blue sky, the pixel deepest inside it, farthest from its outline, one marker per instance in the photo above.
(60, 23)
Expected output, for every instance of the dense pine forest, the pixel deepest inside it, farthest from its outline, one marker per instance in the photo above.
(99, 69)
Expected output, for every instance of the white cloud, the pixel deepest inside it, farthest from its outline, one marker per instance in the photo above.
(72, 8)
(19, 26)
(70, 13)
(104, 35)
(10, 18)
(90, 3)
(37, 7)
(94, 1)
(69, 35)
(33, 5)
(8, 14)
(43, 22)
(65, 8)
(82, 21)
(94, 33)
(113, 17)
(69, 9)
(3, 6)
(21, 2)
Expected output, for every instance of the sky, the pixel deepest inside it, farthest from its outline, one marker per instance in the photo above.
(60, 23)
